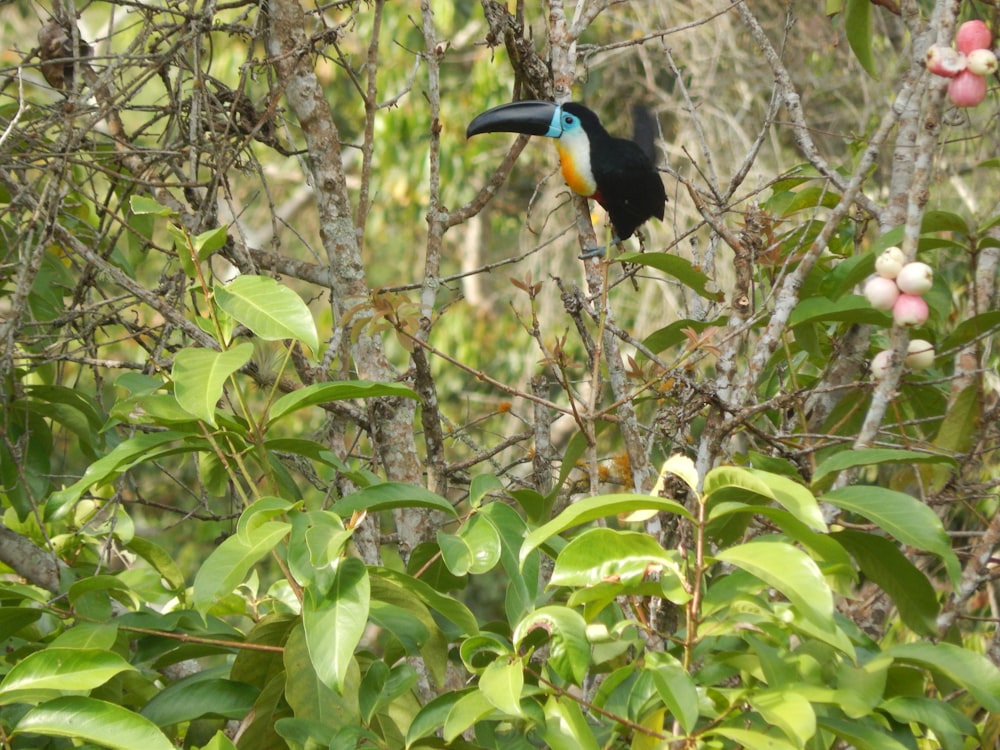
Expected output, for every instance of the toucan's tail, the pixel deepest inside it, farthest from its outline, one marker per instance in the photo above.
(644, 130)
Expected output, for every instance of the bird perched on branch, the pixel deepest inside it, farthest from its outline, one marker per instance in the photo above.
(616, 172)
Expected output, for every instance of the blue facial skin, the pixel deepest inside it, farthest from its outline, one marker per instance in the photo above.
(562, 122)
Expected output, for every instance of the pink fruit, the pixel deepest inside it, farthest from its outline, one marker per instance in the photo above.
(915, 278)
(910, 310)
(920, 354)
(945, 61)
(982, 62)
(881, 364)
(972, 35)
(881, 292)
(967, 89)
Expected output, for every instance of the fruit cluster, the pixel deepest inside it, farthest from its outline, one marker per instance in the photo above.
(967, 65)
(899, 286)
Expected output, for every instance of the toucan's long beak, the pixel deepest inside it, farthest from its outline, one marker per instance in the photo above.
(528, 117)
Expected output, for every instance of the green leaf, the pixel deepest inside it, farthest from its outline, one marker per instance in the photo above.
(858, 25)
(335, 620)
(229, 563)
(391, 496)
(483, 541)
(159, 560)
(143, 205)
(850, 308)
(863, 733)
(600, 506)
(790, 571)
(875, 456)
(135, 450)
(447, 606)
(599, 555)
(434, 713)
(970, 328)
(208, 242)
(901, 516)
(465, 712)
(789, 711)
(269, 309)
(569, 649)
(680, 268)
(196, 697)
(751, 740)
(972, 671)
(324, 393)
(57, 671)
(105, 724)
(907, 586)
(200, 375)
(949, 724)
(674, 333)
(501, 682)
(482, 485)
(675, 687)
(566, 728)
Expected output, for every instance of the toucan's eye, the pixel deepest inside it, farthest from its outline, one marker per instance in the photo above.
(567, 119)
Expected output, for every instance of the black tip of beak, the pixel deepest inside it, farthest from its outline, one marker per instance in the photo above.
(528, 117)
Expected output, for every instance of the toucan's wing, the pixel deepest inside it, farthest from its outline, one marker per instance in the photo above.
(630, 186)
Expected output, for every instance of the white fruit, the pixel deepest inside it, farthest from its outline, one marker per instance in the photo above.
(920, 354)
(881, 292)
(881, 364)
(915, 278)
(982, 62)
(889, 262)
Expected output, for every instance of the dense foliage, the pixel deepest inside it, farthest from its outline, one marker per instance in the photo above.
(317, 434)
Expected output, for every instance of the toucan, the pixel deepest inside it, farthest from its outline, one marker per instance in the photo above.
(616, 172)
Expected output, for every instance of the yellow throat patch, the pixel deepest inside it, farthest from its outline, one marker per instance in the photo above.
(574, 158)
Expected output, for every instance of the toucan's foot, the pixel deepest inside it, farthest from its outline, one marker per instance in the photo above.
(593, 252)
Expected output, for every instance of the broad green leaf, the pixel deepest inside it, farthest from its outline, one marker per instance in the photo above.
(735, 477)
(569, 649)
(864, 733)
(858, 26)
(751, 740)
(680, 268)
(675, 687)
(483, 541)
(566, 727)
(447, 606)
(269, 309)
(902, 517)
(972, 671)
(196, 697)
(143, 205)
(335, 620)
(455, 553)
(58, 671)
(159, 560)
(138, 449)
(384, 687)
(959, 427)
(599, 555)
(850, 308)
(208, 242)
(260, 512)
(949, 724)
(13, 619)
(228, 564)
(790, 571)
(391, 496)
(324, 393)
(219, 742)
(371, 688)
(677, 465)
(434, 713)
(848, 459)
(501, 682)
(85, 719)
(465, 712)
(907, 586)
(200, 376)
(970, 328)
(675, 333)
(788, 710)
(482, 485)
(592, 508)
